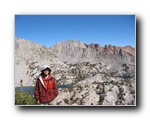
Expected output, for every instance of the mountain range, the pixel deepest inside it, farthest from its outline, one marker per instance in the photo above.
(100, 75)
(73, 51)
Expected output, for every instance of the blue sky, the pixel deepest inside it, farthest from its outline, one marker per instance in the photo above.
(47, 30)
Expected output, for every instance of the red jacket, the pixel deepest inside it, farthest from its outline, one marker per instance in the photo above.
(45, 95)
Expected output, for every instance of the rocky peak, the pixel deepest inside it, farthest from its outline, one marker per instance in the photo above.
(112, 50)
(110, 47)
(96, 47)
(74, 43)
(27, 50)
(129, 50)
(73, 51)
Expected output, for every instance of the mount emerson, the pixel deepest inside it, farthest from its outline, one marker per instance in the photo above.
(100, 75)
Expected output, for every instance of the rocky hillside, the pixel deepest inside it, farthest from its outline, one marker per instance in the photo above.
(28, 51)
(99, 75)
(74, 52)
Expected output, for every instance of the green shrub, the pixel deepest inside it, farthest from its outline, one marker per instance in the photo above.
(22, 98)
(132, 92)
(70, 89)
(101, 99)
(66, 101)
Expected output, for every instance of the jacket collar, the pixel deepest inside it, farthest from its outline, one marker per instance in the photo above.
(40, 78)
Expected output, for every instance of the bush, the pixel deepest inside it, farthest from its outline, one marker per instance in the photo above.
(70, 89)
(101, 99)
(66, 101)
(22, 98)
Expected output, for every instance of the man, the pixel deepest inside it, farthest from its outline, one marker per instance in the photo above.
(46, 89)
